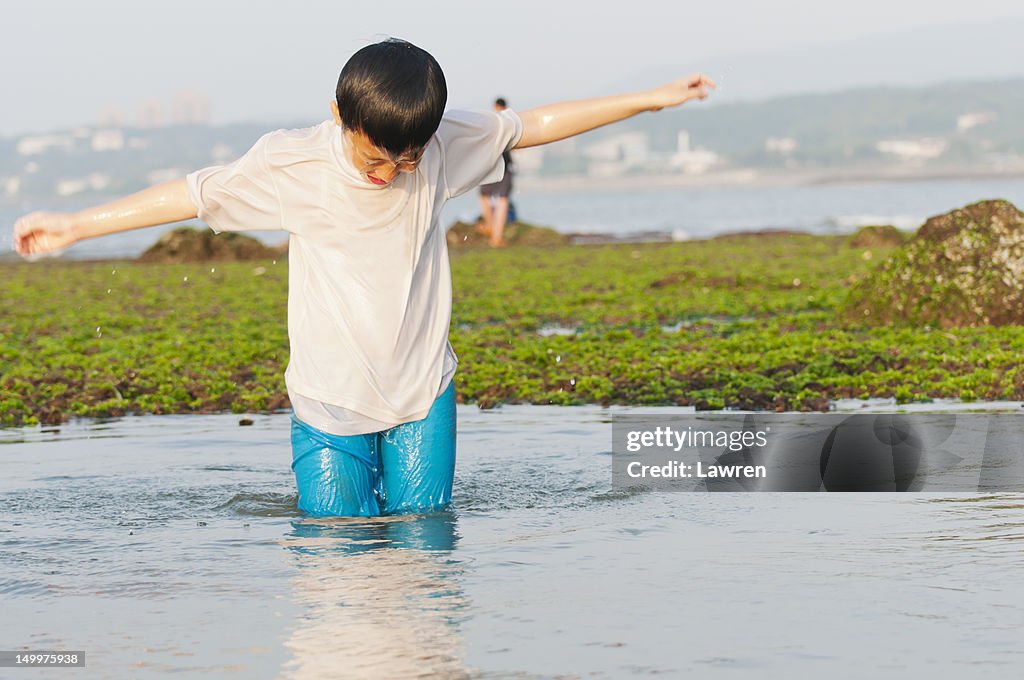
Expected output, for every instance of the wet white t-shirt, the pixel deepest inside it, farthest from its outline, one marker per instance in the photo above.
(369, 284)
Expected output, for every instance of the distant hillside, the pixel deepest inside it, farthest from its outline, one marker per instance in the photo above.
(179, 148)
(952, 125)
(839, 128)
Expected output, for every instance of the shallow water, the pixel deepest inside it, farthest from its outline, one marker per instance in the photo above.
(172, 545)
(685, 212)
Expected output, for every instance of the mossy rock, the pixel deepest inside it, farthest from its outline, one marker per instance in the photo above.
(758, 234)
(881, 236)
(192, 245)
(466, 235)
(964, 268)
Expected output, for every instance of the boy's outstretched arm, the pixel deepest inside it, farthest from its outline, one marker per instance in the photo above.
(40, 233)
(547, 124)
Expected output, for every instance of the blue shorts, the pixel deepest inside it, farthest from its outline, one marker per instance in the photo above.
(407, 468)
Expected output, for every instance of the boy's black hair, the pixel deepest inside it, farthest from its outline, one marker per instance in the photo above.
(500, 101)
(395, 93)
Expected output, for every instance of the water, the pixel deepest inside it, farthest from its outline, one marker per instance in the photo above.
(172, 545)
(690, 212)
(700, 212)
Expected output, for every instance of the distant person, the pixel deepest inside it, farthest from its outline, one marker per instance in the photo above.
(370, 374)
(494, 197)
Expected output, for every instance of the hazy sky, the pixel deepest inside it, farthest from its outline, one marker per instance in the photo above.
(64, 62)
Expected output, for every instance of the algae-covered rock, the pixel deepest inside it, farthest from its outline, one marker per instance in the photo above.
(192, 245)
(463, 235)
(748, 234)
(964, 268)
(881, 236)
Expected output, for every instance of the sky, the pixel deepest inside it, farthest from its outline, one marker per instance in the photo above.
(64, 63)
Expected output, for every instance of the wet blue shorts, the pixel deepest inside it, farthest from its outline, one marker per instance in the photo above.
(407, 468)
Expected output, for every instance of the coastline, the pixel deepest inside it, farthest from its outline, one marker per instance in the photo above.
(751, 177)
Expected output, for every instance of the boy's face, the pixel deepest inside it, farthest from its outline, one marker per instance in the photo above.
(376, 164)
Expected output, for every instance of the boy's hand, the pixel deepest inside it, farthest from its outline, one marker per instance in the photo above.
(675, 93)
(43, 233)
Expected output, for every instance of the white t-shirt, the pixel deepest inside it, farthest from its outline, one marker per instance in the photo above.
(369, 284)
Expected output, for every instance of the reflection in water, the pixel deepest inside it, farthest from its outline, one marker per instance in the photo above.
(192, 560)
(381, 597)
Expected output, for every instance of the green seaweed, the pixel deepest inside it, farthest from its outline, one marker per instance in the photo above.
(742, 322)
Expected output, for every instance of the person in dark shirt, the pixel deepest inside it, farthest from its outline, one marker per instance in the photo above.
(494, 197)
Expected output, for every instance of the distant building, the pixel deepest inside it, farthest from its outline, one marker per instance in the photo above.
(682, 142)
(565, 147)
(164, 175)
(689, 160)
(107, 140)
(617, 153)
(95, 181)
(150, 113)
(624, 146)
(780, 145)
(923, 149)
(971, 120)
(33, 146)
(528, 161)
(222, 153)
(111, 117)
(190, 107)
(11, 185)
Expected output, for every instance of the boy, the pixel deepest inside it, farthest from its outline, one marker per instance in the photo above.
(369, 301)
